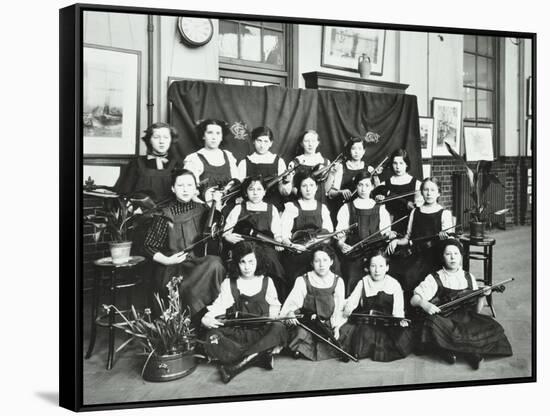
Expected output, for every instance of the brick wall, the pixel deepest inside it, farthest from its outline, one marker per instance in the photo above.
(514, 170)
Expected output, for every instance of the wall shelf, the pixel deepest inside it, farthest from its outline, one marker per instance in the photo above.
(328, 81)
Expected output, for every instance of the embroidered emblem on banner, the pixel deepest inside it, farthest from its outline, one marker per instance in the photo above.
(239, 130)
(372, 137)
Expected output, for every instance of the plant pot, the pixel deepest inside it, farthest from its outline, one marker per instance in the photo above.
(477, 230)
(120, 252)
(169, 367)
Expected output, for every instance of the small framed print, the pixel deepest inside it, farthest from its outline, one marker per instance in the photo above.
(478, 143)
(426, 136)
(342, 47)
(447, 116)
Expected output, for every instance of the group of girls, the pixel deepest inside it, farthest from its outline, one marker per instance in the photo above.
(292, 262)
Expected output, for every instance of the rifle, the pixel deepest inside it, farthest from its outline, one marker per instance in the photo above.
(249, 319)
(377, 318)
(419, 244)
(455, 304)
(327, 337)
(357, 248)
(311, 238)
(255, 235)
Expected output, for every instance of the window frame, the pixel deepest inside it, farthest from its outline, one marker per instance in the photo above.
(495, 91)
(285, 75)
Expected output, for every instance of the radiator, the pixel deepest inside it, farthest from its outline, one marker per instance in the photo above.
(462, 199)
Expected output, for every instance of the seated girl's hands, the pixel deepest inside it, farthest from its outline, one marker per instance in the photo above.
(392, 235)
(443, 235)
(291, 322)
(336, 332)
(344, 248)
(176, 258)
(429, 307)
(410, 205)
(233, 238)
(379, 198)
(289, 243)
(346, 194)
(210, 322)
(487, 290)
(390, 249)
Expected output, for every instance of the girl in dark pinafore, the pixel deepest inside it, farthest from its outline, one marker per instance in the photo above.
(181, 225)
(268, 165)
(251, 293)
(152, 172)
(370, 217)
(377, 291)
(302, 215)
(215, 165)
(465, 331)
(318, 293)
(427, 220)
(265, 219)
(400, 183)
(342, 182)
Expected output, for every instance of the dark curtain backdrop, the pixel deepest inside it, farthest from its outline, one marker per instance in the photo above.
(387, 121)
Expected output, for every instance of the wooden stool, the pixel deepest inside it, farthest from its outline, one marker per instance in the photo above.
(486, 255)
(116, 281)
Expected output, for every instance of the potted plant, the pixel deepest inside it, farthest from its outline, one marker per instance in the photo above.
(167, 341)
(479, 179)
(118, 216)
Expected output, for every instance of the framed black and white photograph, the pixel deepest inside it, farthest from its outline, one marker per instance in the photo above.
(447, 115)
(426, 136)
(478, 143)
(110, 100)
(227, 239)
(345, 47)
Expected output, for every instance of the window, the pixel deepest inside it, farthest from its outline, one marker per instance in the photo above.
(254, 53)
(480, 92)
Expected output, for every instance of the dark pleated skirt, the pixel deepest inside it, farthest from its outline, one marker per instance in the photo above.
(229, 345)
(376, 342)
(309, 346)
(202, 278)
(465, 331)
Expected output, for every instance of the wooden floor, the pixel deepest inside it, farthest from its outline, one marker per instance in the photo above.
(512, 259)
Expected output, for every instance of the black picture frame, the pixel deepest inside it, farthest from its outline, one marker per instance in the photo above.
(71, 166)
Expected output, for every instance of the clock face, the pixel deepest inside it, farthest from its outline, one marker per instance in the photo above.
(195, 31)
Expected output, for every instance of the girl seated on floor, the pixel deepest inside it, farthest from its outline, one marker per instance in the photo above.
(250, 293)
(376, 293)
(464, 331)
(319, 296)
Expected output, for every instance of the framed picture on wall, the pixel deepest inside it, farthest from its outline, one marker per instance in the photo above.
(342, 47)
(426, 136)
(111, 101)
(447, 115)
(120, 339)
(478, 143)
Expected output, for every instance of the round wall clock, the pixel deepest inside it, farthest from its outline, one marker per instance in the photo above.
(195, 31)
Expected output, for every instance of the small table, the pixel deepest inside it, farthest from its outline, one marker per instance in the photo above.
(107, 319)
(485, 254)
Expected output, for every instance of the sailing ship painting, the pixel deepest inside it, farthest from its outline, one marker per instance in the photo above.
(103, 101)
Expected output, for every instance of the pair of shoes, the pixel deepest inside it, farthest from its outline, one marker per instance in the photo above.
(266, 361)
(474, 360)
(448, 356)
(228, 372)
